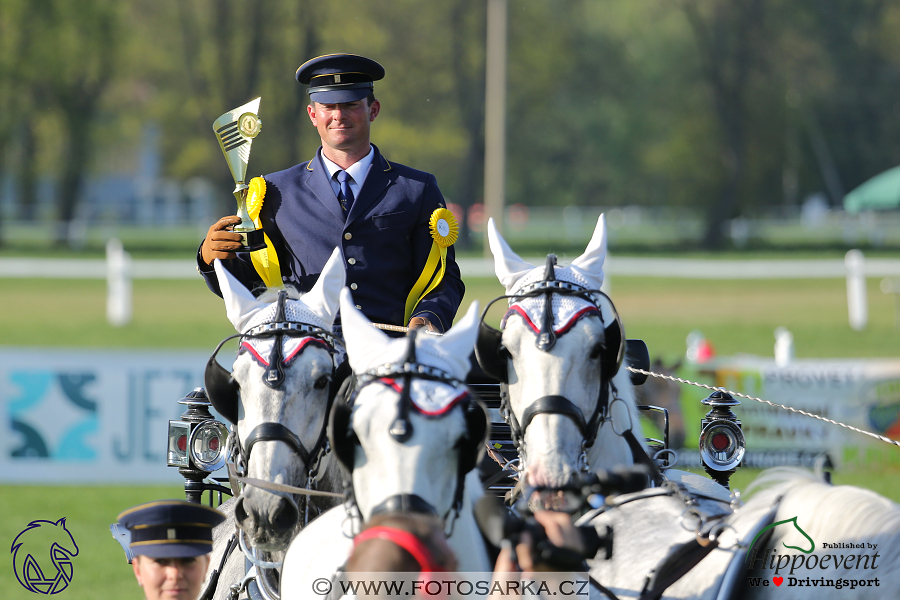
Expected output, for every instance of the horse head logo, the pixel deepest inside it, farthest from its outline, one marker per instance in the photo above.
(812, 544)
(41, 544)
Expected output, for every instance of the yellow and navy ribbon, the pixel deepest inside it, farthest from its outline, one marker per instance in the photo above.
(444, 231)
(265, 260)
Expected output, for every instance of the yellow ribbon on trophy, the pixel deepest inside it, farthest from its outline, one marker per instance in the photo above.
(265, 260)
(444, 231)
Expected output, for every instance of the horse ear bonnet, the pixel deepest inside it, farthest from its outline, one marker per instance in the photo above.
(340, 434)
(221, 389)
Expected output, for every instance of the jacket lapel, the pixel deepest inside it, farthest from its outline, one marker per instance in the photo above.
(317, 182)
(377, 180)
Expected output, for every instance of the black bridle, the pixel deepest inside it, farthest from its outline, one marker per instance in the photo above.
(217, 378)
(611, 358)
(407, 370)
(492, 357)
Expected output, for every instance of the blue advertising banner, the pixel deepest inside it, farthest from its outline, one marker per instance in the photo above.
(91, 416)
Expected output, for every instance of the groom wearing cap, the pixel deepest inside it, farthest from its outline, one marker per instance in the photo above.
(390, 220)
(171, 541)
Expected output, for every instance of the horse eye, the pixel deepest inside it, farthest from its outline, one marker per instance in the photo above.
(322, 381)
(597, 350)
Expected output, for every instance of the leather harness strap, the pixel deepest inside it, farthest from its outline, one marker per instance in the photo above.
(676, 566)
(559, 405)
(272, 432)
(271, 486)
(214, 576)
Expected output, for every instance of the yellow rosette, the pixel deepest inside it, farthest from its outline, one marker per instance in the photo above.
(444, 231)
(256, 191)
(265, 260)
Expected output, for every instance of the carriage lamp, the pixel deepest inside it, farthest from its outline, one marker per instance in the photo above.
(177, 453)
(207, 445)
(721, 438)
(196, 444)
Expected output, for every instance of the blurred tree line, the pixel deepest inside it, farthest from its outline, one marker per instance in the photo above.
(719, 106)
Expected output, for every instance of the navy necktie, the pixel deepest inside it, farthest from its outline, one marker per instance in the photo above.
(346, 194)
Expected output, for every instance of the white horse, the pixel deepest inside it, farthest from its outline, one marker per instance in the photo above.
(404, 451)
(688, 520)
(853, 532)
(568, 398)
(277, 395)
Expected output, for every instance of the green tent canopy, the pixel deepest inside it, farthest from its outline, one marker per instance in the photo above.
(882, 192)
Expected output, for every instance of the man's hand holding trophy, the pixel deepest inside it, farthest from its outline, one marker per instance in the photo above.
(235, 131)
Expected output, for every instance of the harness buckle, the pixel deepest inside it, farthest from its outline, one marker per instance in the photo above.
(583, 459)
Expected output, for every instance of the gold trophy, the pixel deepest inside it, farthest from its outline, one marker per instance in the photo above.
(235, 131)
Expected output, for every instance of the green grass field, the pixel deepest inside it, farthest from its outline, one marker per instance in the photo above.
(100, 569)
(736, 316)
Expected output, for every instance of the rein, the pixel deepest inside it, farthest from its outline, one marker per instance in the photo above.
(271, 486)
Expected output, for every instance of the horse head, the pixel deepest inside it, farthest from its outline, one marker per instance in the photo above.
(558, 357)
(283, 373)
(411, 433)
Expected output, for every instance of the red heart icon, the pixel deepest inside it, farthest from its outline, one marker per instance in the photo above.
(778, 580)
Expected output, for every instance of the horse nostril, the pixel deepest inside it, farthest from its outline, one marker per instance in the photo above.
(285, 516)
(240, 514)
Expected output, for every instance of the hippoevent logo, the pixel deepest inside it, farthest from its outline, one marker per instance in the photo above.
(810, 568)
(42, 556)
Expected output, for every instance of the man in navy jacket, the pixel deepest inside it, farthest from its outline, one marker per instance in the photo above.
(350, 196)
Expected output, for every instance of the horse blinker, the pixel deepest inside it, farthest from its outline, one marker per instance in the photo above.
(221, 389)
(490, 353)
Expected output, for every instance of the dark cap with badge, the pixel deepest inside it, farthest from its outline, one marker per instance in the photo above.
(170, 528)
(339, 78)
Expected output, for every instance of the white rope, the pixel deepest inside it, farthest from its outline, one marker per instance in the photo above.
(788, 408)
(386, 327)
(401, 329)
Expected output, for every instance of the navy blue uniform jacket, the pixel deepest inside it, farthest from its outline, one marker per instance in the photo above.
(385, 239)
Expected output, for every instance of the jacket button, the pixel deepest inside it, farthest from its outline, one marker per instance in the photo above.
(348, 236)
(353, 286)
(352, 261)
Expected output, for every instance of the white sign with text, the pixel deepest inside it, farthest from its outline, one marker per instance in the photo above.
(91, 416)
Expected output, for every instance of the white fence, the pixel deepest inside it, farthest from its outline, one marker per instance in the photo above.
(619, 266)
(118, 269)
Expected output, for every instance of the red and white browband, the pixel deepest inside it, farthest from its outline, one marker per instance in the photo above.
(261, 348)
